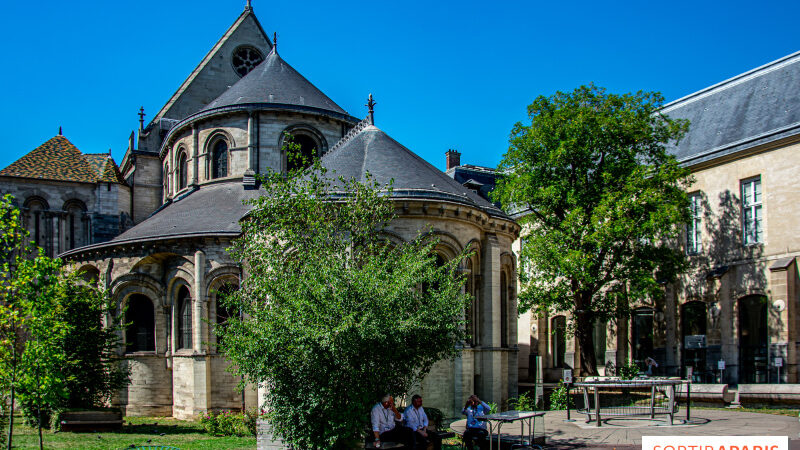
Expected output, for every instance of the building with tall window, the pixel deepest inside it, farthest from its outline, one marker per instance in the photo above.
(734, 316)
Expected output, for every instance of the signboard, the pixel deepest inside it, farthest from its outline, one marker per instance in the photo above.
(567, 376)
(778, 362)
(694, 342)
(721, 364)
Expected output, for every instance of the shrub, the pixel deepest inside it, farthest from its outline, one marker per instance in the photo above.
(558, 398)
(523, 403)
(628, 371)
(435, 417)
(229, 423)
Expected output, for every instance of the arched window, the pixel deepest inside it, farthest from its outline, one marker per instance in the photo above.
(184, 318)
(503, 309)
(223, 312)
(183, 169)
(558, 327)
(302, 155)
(76, 230)
(642, 335)
(140, 317)
(219, 159)
(753, 350)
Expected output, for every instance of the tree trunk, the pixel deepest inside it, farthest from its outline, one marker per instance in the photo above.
(39, 408)
(584, 327)
(13, 383)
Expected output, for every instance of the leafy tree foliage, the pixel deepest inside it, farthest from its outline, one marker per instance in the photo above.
(602, 200)
(54, 349)
(332, 315)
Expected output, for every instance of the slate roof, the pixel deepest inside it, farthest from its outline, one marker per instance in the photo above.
(754, 108)
(189, 214)
(58, 159)
(371, 150)
(275, 82)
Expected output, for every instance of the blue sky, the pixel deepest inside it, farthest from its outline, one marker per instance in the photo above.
(445, 74)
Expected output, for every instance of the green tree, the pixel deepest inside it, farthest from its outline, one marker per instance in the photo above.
(55, 351)
(333, 315)
(603, 202)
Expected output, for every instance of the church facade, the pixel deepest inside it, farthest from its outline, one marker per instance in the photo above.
(184, 177)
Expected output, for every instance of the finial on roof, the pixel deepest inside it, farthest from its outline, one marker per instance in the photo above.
(59, 131)
(371, 105)
(275, 42)
(248, 6)
(109, 153)
(141, 118)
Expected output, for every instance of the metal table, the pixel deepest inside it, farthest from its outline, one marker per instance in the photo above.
(507, 417)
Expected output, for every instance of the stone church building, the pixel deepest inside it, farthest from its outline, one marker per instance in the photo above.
(180, 188)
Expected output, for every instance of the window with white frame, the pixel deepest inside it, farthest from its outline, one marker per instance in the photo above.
(751, 211)
(694, 241)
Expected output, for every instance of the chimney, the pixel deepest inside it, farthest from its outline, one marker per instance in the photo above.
(453, 158)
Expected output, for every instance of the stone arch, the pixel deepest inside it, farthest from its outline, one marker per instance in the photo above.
(34, 199)
(89, 273)
(307, 136)
(392, 238)
(130, 283)
(219, 279)
(448, 246)
(216, 155)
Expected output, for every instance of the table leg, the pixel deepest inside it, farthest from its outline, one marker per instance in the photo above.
(597, 405)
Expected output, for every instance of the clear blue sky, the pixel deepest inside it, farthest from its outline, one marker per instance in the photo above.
(445, 74)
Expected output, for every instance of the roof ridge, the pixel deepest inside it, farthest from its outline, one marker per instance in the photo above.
(792, 58)
(350, 135)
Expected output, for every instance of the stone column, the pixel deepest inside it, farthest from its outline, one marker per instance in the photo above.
(199, 306)
(195, 155)
(781, 311)
(251, 142)
(492, 361)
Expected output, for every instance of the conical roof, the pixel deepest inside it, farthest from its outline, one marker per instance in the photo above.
(275, 82)
(372, 151)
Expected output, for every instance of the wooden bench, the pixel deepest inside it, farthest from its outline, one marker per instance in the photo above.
(90, 420)
(395, 445)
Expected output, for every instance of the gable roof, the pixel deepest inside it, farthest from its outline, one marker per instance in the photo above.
(754, 108)
(275, 82)
(58, 159)
(246, 15)
(370, 150)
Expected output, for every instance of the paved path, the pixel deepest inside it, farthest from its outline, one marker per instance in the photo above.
(627, 433)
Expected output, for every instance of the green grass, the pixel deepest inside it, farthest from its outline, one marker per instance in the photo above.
(136, 431)
(776, 411)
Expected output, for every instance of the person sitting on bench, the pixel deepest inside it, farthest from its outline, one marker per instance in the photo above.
(417, 422)
(476, 429)
(384, 417)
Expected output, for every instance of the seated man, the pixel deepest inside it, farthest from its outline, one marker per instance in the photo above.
(417, 422)
(384, 417)
(476, 429)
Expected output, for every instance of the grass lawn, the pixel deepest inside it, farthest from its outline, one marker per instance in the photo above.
(777, 411)
(136, 431)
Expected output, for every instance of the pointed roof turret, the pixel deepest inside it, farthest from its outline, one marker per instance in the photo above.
(275, 82)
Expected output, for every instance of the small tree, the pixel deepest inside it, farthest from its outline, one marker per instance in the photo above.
(602, 198)
(332, 314)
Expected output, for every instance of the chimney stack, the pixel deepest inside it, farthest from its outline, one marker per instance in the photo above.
(453, 158)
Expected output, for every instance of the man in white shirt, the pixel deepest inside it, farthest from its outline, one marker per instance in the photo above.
(417, 422)
(384, 417)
